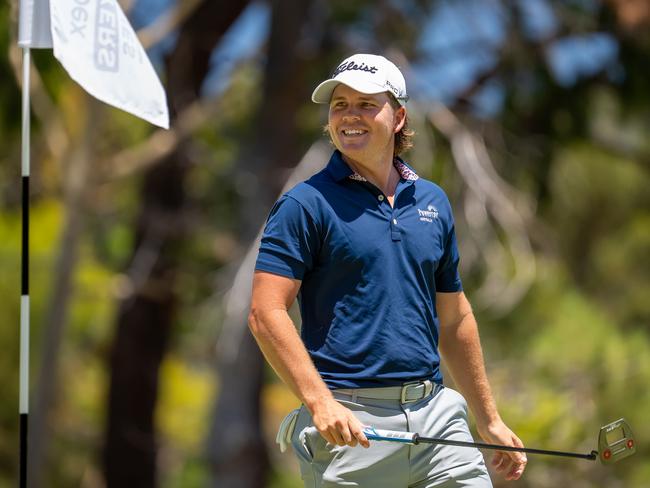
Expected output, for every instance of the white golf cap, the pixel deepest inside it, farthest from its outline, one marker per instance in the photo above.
(365, 73)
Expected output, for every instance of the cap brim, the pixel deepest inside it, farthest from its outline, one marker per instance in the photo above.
(323, 92)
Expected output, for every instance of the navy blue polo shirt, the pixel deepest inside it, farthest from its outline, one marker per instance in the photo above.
(369, 272)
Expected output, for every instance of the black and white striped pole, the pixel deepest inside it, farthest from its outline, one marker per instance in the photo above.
(126, 81)
(23, 407)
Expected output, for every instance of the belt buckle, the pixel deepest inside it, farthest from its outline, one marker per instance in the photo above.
(405, 388)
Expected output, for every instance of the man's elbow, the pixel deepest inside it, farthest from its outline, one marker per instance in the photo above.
(254, 321)
(259, 321)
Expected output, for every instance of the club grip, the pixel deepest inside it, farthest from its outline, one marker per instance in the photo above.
(390, 435)
(373, 434)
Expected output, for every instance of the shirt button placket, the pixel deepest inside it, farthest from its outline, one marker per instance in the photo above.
(395, 233)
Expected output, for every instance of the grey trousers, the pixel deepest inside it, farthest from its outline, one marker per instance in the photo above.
(393, 465)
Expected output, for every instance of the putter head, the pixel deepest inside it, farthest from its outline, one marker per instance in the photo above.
(615, 442)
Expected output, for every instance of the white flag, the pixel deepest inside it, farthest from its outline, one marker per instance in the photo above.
(34, 24)
(96, 45)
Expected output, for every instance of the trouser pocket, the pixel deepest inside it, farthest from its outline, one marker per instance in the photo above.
(304, 439)
(294, 431)
(286, 429)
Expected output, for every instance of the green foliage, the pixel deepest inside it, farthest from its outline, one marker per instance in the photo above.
(9, 91)
(565, 370)
(183, 412)
(605, 234)
(283, 479)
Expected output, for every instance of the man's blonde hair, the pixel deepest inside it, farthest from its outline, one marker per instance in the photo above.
(404, 138)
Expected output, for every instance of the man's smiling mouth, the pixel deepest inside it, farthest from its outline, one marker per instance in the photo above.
(353, 132)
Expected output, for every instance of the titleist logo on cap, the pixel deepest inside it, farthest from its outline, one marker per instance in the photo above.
(352, 66)
(365, 73)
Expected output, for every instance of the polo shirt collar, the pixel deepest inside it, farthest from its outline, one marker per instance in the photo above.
(340, 170)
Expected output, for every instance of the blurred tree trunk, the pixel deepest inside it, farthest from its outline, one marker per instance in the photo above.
(236, 447)
(146, 315)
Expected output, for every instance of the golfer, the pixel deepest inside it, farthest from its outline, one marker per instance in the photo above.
(369, 249)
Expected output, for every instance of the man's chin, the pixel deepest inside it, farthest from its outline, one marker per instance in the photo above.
(354, 151)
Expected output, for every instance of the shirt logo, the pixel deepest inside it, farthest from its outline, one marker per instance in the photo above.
(429, 214)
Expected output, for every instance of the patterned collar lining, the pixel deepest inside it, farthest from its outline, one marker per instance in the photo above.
(404, 171)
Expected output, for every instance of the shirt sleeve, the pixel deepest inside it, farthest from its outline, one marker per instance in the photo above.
(290, 240)
(447, 275)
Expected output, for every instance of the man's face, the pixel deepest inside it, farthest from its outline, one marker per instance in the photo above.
(363, 126)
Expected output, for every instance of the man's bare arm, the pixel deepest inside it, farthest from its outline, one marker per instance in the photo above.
(280, 343)
(460, 347)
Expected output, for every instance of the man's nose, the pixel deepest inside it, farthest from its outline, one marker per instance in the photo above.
(351, 114)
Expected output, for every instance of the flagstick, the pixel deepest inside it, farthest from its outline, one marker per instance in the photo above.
(24, 299)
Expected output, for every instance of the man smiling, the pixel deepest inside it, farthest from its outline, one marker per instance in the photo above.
(369, 249)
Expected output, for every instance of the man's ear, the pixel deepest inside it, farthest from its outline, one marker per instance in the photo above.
(400, 119)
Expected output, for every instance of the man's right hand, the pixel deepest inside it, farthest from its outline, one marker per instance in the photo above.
(337, 424)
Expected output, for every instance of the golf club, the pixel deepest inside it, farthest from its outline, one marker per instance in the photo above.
(615, 442)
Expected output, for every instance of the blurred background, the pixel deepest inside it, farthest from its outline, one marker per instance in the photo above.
(533, 115)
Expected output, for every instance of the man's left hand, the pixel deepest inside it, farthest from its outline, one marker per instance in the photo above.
(510, 464)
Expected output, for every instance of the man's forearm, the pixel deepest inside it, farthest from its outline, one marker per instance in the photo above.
(284, 350)
(282, 347)
(461, 348)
